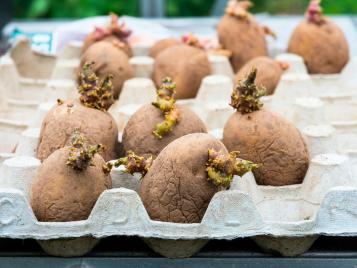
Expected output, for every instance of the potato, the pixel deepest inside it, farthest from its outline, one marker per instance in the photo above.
(61, 193)
(109, 60)
(269, 74)
(187, 65)
(176, 188)
(323, 46)
(60, 122)
(161, 45)
(240, 33)
(182, 180)
(138, 133)
(114, 33)
(265, 138)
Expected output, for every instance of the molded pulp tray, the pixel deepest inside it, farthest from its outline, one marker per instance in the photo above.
(282, 219)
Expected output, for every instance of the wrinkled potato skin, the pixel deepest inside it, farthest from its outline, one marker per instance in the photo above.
(109, 60)
(176, 188)
(162, 45)
(60, 122)
(243, 37)
(138, 136)
(110, 39)
(324, 48)
(60, 193)
(269, 73)
(186, 65)
(267, 138)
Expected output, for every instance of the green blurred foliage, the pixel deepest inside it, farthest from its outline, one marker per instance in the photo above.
(174, 8)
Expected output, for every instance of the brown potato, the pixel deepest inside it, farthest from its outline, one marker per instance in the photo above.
(269, 73)
(161, 45)
(60, 193)
(138, 133)
(267, 138)
(244, 37)
(323, 46)
(109, 60)
(186, 65)
(176, 188)
(60, 122)
(112, 39)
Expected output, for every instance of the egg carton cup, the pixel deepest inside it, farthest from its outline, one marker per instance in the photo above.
(285, 219)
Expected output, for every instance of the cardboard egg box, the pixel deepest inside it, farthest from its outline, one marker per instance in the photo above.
(296, 209)
(284, 219)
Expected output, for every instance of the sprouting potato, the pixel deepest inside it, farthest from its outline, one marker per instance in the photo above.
(69, 182)
(320, 42)
(155, 125)
(265, 137)
(88, 114)
(186, 63)
(114, 33)
(240, 33)
(109, 60)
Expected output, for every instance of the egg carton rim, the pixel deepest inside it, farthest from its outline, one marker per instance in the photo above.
(21, 223)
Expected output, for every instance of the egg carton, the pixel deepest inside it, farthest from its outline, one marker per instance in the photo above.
(328, 170)
(284, 219)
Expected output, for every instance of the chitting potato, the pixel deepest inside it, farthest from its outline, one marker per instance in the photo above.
(155, 125)
(186, 63)
(179, 184)
(109, 60)
(239, 32)
(88, 114)
(320, 42)
(114, 33)
(69, 182)
(265, 137)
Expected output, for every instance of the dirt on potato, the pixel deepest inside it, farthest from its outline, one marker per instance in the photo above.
(176, 188)
(60, 122)
(272, 141)
(268, 76)
(108, 59)
(186, 65)
(162, 45)
(60, 193)
(323, 46)
(138, 133)
(244, 37)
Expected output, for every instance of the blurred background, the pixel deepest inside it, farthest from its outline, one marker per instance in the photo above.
(35, 9)
(33, 16)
